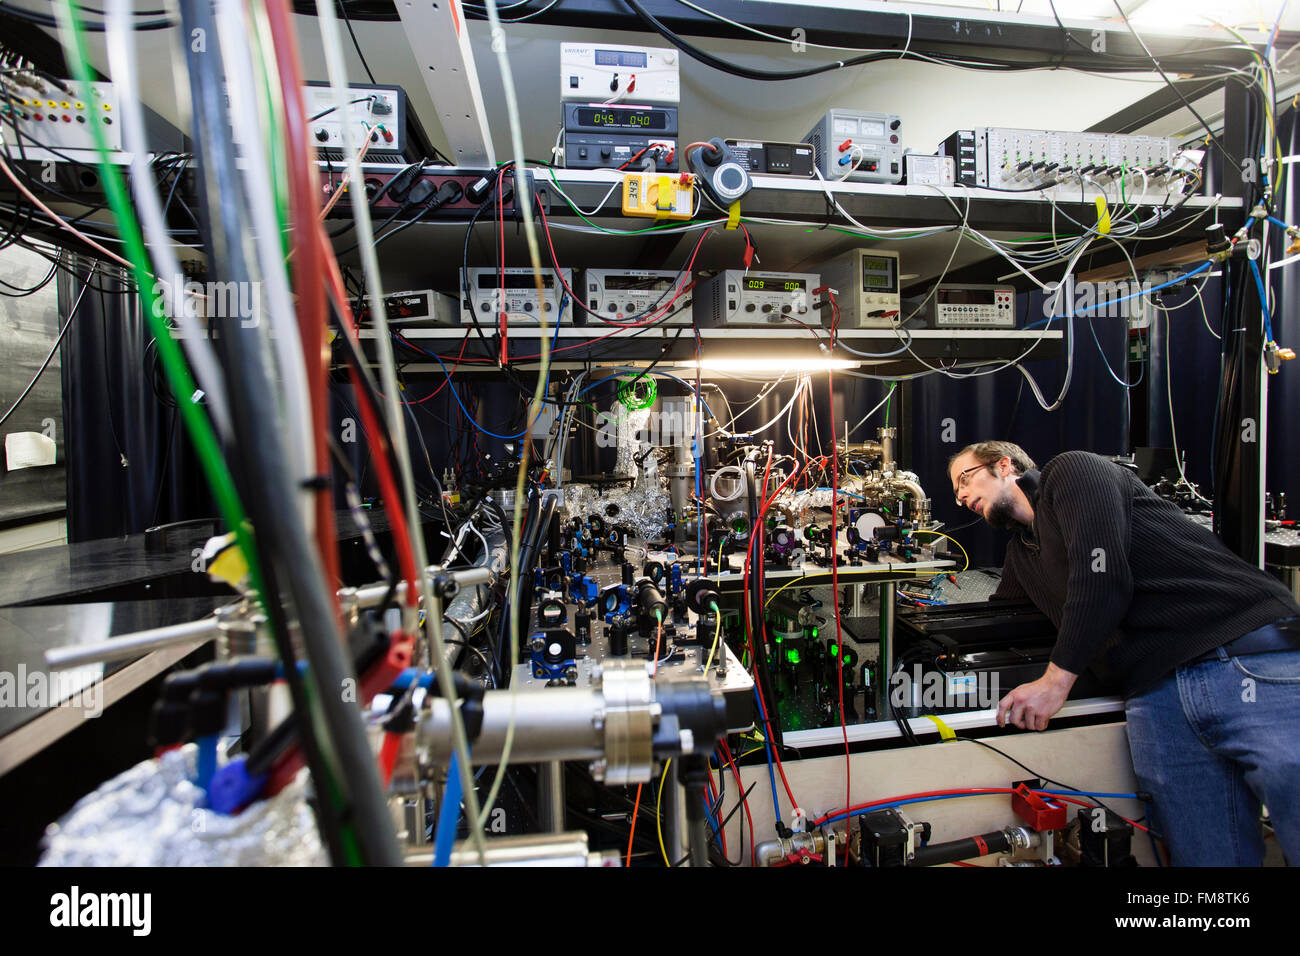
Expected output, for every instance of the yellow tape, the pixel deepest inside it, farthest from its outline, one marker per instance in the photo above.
(1103, 216)
(945, 732)
(733, 215)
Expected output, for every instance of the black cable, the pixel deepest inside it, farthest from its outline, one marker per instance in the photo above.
(72, 314)
(1029, 770)
(328, 111)
(352, 797)
(45, 20)
(343, 9)
(1170, 83)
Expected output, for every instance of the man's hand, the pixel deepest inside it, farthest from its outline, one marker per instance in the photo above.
(1031, 705)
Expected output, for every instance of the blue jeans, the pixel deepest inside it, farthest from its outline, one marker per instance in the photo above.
(1210, 742)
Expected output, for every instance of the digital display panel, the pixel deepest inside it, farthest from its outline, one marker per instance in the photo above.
(514, 280)
(638, 283)
(880, 272)
(622, 118)
(774, 285)
(620, 58)
(965, 297)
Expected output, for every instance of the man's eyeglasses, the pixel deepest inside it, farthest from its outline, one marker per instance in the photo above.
(963, 479)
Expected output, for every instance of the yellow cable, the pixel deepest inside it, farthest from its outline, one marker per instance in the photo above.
(779, 590)
(717, 632)
(659, 823)
(954, 541)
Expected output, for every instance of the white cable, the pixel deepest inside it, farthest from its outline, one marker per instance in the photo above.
(233, 30)
(534, 409)
(872, 412)
(120, 40)
(338, 76)
(804, 382)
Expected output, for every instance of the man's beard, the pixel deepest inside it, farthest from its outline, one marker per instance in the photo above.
(1001, 513)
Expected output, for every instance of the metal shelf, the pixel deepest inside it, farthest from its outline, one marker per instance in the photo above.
(960, 346)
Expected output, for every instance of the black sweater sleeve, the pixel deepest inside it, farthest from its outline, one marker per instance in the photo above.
(1094, 514)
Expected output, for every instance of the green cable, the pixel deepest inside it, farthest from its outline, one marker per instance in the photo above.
(178, 373)
(274, 119)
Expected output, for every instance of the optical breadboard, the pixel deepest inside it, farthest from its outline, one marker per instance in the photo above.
(858, 146)
(866, 288)
(610, 72)
(747, 298)
(513, 290)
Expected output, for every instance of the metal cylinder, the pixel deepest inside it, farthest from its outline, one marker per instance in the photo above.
(563, 723)
(887, 459)
(528, 849)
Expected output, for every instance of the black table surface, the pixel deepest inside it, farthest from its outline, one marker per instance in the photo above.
(26, 633)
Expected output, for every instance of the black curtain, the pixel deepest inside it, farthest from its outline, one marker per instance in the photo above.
(130, 463)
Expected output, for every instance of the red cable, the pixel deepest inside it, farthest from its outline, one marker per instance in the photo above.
(636, 807)
(744, 798)
(379, 451)
(304, 209)
(502, 320)
(749, 629)
(835, 577)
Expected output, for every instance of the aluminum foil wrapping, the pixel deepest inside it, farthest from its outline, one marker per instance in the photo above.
(642, 510)
(151, 815)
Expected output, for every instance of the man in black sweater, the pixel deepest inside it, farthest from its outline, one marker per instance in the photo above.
(1205, 647)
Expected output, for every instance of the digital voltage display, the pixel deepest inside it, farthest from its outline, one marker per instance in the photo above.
(774, 285)
(622, 118)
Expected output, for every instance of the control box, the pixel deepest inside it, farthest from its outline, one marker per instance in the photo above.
(748, 298)
(866, 288)
(611, 72)
(395, 132)
(858, 146)
(638, 294)
(1007, 158)
(418, 307)
(485, 294)
(921, 170)
(774, 159)
(957, 305)
(597, 136)
(44, 114)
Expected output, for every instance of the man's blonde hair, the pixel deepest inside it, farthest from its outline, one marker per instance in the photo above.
(989, 453)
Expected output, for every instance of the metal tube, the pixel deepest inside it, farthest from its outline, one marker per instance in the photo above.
(536, 849)
(888, 597)
(550, 795)
(132, 645)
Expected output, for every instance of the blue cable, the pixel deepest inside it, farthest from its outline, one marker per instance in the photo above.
(767, 749)
(454, 394)
(444, 838)
(1124, 298)
(1087, 793)
(1106, 362)
(1263, 300)
(1278, 222)
(903, 803)
(843, 492)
